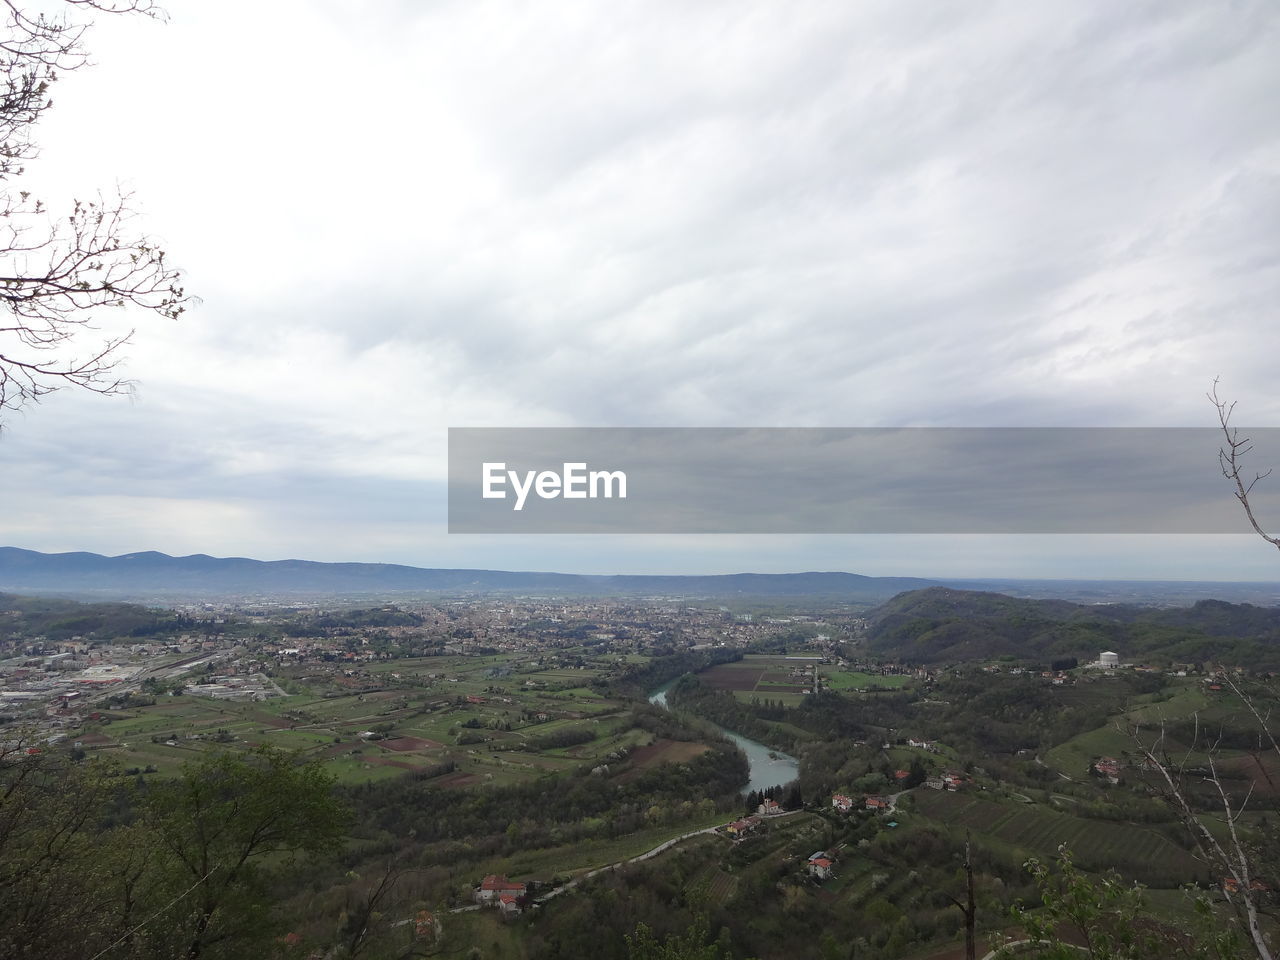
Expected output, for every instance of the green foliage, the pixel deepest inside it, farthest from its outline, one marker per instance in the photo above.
(220, 820)
(693, 944)
(1109, 919)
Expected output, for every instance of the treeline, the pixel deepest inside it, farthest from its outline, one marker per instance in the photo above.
(568, 737)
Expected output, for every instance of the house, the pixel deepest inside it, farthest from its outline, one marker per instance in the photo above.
(494, 886)
(935, 783)
(509, 905)
(1231, 885)
(742, 827)
(901, 775)
(879, 804)
(769, 808)
(821, 868)
(1108, 767)
(842, 803)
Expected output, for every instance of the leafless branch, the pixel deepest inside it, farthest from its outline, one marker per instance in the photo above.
(57, 272)
(1230, 459)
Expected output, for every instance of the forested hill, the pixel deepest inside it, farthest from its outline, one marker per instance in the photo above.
(940, 624)
(62, 619)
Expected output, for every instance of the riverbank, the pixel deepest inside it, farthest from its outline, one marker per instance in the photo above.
(768, 767)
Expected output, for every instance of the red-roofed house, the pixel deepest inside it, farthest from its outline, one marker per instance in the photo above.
(821, 868)
(877, 803)
(509, 905)
(842, 803)
(495, 885)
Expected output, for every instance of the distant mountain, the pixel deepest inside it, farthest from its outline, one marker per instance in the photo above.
(152, 574)
(941, 624)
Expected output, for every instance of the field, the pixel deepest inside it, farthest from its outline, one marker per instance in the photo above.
(1039, 830)
(763, 678)
(853, 680)
(497, 719)
(1074, 756)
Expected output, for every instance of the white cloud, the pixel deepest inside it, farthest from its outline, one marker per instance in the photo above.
(485, 213)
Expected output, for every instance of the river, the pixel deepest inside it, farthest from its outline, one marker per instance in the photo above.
(766, 770)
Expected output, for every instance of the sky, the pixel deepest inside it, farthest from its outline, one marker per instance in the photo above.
(402, 217)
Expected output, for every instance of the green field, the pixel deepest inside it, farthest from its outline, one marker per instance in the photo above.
(1039, 830)
(852, 680)
(477, 712)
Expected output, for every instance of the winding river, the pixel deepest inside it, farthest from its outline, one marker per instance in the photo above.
(766, 771)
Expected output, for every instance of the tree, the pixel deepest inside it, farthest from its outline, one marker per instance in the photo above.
(219, 821)
(56, 896)
(1231, 458)
(968, 907)
(59, 266)
(1110, 919)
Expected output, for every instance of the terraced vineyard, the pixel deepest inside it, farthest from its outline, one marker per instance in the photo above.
(1038, 830)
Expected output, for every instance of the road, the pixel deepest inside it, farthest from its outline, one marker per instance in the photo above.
(648, 854)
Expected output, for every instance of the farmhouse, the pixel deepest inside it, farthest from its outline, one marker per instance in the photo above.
(842, 803)
(820, 865)
(494, 886)
(879, 804)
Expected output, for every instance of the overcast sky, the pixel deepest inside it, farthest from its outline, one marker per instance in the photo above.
(403, 217)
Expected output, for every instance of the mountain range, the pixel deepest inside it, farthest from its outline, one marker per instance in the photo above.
(152, 576)
(158, 574)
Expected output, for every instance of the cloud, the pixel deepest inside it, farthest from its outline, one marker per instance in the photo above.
(739, 214)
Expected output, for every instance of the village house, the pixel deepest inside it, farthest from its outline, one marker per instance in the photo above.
(494, 886)
(509, 905)
(742, 827)
(842, 803)
(820, 865)
(878, 804)
(1108, 767)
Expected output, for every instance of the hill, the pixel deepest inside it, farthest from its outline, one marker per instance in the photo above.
(152, 574)
(940, 624)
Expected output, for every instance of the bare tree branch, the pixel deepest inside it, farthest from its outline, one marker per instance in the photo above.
(1230, 459)
(58, 271)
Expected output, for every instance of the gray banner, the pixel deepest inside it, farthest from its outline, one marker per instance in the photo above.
(858, 480)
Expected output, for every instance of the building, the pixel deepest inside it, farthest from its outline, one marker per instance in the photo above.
(842, 803)
(742, 827)
(494, 886)
(769, 808)
(821, 868)
(1108, 660)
